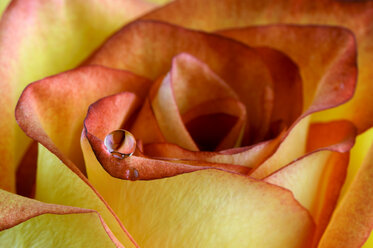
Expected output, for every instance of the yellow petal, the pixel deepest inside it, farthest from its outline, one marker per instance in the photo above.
(3, 5)
(56, 183)
(207, 208)
(352, 221)
(56, 36)
(28, 223)
(358, 153)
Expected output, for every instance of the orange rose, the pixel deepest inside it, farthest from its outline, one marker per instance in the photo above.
(230, 151)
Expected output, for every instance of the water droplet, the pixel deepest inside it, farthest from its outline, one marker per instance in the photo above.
(120, 143)
(131, 174)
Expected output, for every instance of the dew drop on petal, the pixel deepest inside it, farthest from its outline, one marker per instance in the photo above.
(120, 143)
(131, 174)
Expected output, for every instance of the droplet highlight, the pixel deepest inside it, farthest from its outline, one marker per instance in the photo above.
(120, 143)
(131, 174)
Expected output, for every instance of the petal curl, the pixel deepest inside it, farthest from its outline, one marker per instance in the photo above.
(52, 110)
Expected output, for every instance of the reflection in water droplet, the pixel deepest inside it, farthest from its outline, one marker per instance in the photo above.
(120, 143)
(131, 174)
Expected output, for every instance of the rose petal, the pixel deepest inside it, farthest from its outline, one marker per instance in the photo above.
(26, 222)
(56, 183)
(227, 209)
(145, 127)
(352, 221)
(139, 47)
(55, 35)
(292, 146)
(316, 179)
(245, 156)
(52, 110)
(328, 71)
(287, 90)
(189, 83)
(358, 153)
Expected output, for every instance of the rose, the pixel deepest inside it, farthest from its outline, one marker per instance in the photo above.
(96, 76)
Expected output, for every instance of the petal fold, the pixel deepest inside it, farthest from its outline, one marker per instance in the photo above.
(352, 221)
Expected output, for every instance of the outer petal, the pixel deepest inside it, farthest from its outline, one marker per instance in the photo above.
(355, 15)
(358, 153)
(316, 179)
(28, 223)
(56, 183)
(39, 38)
(207, 208)
(326, 57)
(352, 221)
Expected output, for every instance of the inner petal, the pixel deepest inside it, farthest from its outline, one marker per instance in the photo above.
(189, 88)
(216, 125)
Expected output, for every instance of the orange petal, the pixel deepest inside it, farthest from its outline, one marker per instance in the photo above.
(22, 218)
(145, 126)
(352, 221)
(189, 83)
(287, 89)
(249, 157)
(57, 184)
(112, 113)
(129, 49)
(355, 15)
(316, 179)
(328, 71)
(52, 110)
(55, 35)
